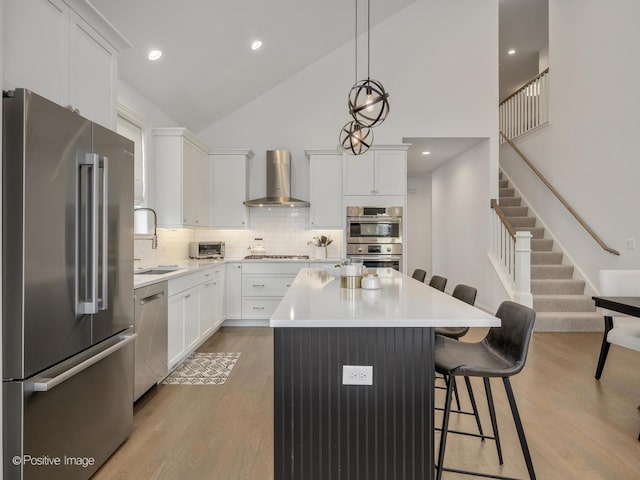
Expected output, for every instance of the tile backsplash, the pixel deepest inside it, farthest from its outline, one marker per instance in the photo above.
(285, 231)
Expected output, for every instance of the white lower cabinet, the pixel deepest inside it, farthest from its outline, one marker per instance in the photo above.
(233, 291)
(176, 346)
(195, 311)
(263, 286)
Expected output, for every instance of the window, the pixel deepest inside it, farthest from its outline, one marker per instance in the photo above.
(127, 126)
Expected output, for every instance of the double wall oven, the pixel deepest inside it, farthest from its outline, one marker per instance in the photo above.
(374, 236)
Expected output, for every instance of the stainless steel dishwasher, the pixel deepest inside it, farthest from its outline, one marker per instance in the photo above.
(151, 342)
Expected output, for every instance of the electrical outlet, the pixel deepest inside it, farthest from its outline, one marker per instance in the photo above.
(357, 375)
(631, 243)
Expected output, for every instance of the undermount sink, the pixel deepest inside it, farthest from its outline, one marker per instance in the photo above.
(156, 271)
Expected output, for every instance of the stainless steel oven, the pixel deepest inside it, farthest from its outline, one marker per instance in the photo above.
(376, 255)
(374, 236)
(374, 225)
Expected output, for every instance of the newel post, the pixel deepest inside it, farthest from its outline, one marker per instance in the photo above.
(523, 269)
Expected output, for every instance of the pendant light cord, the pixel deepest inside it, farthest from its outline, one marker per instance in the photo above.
(368, 39)
(356, 42)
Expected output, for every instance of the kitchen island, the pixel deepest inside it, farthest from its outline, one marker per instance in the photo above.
(325, 429)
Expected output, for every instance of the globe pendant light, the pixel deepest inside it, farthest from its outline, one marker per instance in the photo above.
(368, 100)
(355, 139)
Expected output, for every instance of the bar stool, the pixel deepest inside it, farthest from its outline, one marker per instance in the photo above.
(502, 353)
(468, 295)
(438, 282)
(419, 274)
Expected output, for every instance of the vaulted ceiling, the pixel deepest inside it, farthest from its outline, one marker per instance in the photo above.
(208, 69)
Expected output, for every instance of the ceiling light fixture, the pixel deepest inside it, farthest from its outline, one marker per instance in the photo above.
(426, 153)
(256, 45)
(154, 54)
(368, 101)
(511, 52)
(355, 138)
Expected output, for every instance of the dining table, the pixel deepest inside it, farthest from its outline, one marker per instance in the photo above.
(376, 423)
(625, 305)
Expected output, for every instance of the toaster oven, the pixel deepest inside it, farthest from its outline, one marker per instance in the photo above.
(202, 250)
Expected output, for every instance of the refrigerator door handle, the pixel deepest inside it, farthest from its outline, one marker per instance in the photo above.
(46, 384)
(104, 303)
(90, 305)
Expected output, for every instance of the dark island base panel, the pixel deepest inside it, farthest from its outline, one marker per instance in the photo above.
(328, 431)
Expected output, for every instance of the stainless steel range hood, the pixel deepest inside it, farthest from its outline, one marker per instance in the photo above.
(278, 183)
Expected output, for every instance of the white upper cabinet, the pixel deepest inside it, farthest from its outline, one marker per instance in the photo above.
(183, 179)
(93, 75)
(325, 189)
(380, 171)
(65, 51)
(230, 188)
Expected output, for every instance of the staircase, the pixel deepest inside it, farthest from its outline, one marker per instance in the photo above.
(558, 298)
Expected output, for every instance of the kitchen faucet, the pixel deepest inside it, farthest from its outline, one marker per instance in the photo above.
(154, 239)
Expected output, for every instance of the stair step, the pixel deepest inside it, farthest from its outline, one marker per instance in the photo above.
(563, 303)
(551, 271)
(503, 183)
(536, 232)
(510, 201)
(522, 221)
(500, 175)
(506, 192)
(515, 211)
(546, 258)
(541, 244)
(568, 322)
(557, 287)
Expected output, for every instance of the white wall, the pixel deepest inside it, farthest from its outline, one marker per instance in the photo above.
(461, 224)
(589, 150)
(418, 220)
(438, 60)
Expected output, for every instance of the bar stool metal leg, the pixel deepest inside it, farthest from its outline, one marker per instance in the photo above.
(518, 422)
(445, 428)
(474, 407)
(492, 414)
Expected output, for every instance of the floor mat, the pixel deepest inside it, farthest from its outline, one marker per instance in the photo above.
(203, 369)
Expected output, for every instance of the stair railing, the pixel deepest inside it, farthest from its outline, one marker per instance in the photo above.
(512, 250)
(580, 220)
(527, 107)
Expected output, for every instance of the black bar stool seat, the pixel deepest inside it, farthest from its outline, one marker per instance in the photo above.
(470, 359)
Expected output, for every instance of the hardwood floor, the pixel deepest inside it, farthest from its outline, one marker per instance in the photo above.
(577, 427)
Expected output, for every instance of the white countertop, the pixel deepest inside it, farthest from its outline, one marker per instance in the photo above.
(315, 299)
(142, 280)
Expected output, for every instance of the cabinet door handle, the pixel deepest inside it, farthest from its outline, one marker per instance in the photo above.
(258, 308)
(207, 274)
(288, 285)
(187, 296)
(257, 285)
(197, 221)
(239, 266)
(215, 283)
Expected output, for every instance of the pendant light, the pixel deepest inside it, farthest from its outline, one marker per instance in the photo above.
(355, 138)
(368, 100)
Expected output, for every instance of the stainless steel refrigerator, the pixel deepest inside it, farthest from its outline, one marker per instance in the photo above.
(67, 288)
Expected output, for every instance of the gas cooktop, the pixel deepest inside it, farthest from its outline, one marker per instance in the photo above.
(277, 257)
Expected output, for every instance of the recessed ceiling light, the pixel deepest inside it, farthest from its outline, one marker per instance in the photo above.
(256, 45)
(154, 54)
(426, 153)
(511, 52)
